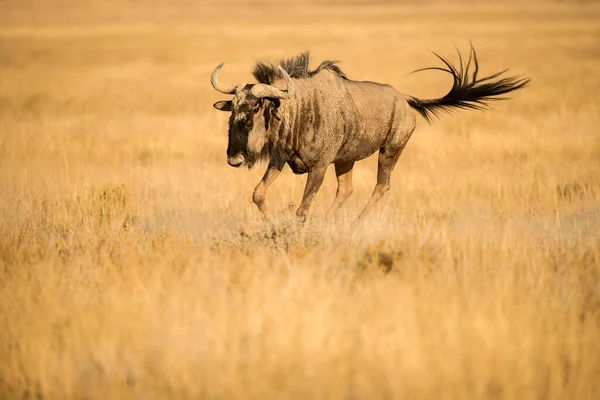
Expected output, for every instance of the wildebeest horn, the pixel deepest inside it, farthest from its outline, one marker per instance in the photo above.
(220, 86)
(261, 90)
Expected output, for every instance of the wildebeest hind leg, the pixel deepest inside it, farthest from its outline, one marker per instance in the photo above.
(388, 156)
(343, 171)
(260, 192)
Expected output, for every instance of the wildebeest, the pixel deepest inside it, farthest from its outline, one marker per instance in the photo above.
(323, 117)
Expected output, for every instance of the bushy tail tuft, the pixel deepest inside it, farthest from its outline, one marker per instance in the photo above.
(467, 92)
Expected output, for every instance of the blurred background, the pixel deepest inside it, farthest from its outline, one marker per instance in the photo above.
(133, 263)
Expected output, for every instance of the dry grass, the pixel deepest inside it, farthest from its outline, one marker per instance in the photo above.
(134, 265)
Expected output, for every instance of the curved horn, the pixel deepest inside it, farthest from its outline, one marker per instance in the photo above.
(261, 90)
(218, 85)
(291, 88)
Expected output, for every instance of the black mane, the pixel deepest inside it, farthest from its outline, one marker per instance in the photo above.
(296, 67)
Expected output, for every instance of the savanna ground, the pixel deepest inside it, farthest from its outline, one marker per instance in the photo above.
(133, 263)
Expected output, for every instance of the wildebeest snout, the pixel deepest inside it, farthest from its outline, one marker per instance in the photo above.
(236, 160)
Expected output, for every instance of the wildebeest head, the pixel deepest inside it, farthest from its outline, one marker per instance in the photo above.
(253, 112)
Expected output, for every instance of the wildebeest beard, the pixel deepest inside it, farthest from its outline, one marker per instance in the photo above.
(269, 151)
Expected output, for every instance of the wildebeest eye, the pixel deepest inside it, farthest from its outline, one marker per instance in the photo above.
(256, 109)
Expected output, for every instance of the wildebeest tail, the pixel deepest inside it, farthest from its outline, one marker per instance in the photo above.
(468, 92)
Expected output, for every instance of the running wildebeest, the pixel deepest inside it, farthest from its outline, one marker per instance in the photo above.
(323, 117)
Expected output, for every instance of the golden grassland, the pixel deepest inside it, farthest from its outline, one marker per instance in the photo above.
(133, 263)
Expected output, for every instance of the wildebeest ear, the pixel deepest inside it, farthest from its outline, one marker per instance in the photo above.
(272, 112)
(223, 105)
(275, 102)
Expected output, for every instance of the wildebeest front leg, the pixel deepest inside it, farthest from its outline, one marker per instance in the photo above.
(260, 192)
(343, 171)
(313, 183)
